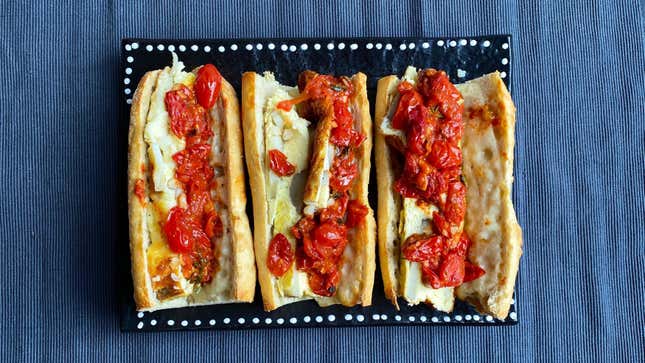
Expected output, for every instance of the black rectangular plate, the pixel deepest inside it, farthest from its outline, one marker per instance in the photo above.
(463, 58)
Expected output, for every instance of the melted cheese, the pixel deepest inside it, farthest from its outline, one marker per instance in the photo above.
(165, 191)
(287, 132)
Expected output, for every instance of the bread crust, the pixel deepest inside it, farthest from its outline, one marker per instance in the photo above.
(137, 166)
(242, 278)
(243, 257)
(350, 291)
(488, 176)
(365, 233)
(253, 149)
(389, 203)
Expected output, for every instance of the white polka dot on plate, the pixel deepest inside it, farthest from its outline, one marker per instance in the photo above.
(153, 322)
(140, 325)
(130, 59)
(489, 318)
(486, 43)
(330, 46)
(171, 48)
(353, 46)
(184, 323)
(453, 43)
(317, 46)
(249, 47)
(207, 49)
(271, 46)
(128, 47)
(128, 101)
(397, 317)
(505, 46)
(319, 319)
(369, 45)
(476, 317)
(160, 47)
(126, 81)
(513, 315)
(458, 317)
(360, 317)
(473, 42)
(304, 46)
(149, 47)
(463, 42)
(221, 49)
(411, 318)
(502, 74)
(383, 317)
(128, 70)
(440, 43)
(376, 317)
(293, 320)
(423, 318)
(293, 48)
(198, 322)
(402, 46)
(425, 45)
(140, 315)
(211, 322)
(267, 321)
(468, 317)
(241, 321)
(388, 46)
(280, 321)
(258, 46)
(194, 47)
(348, 317)
(284, 47)
(504, 61)
(170, 322)
(341, 46)
(461, 73)
(233, 47)
(446, 319)
(378, 46)
(182, 48)
(135, 45)
(226, 320)
(435, 319)
(127, 91)
(331, 317)
(306, 319)
(412, 46)
(255, 320)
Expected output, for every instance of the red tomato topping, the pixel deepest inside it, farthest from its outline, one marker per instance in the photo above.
(431, 117)
(208, 85)
(140, 190)
(344, 170)
(189, 231)
(279, 164)
(280, 255)
(356, 212)
(321, 239)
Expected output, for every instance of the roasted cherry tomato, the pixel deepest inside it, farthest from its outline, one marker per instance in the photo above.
(279, 163)
(208, 85)
(182, 232)
(356, 212)
(419, 247)
(280, 255)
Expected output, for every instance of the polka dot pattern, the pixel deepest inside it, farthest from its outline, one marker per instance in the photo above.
(357, 316)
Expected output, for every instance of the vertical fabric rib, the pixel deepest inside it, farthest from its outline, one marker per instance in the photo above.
(578, 72)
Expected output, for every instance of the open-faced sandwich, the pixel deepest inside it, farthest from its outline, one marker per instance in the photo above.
(308, 155)
(190, 239)
(444, 159)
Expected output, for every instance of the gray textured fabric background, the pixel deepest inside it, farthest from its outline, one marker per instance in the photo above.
(579, 73)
